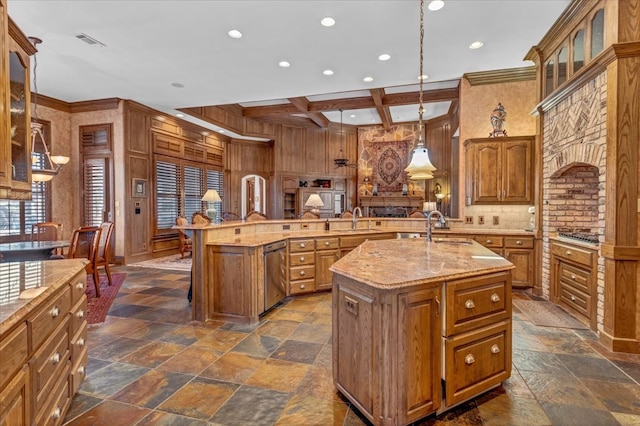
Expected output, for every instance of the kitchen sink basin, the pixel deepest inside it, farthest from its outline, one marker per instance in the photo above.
(452, 241)
(355, 231)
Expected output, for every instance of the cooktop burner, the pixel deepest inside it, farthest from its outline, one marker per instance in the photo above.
(581, 236)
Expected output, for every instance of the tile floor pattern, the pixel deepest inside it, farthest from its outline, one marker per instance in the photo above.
(149, 364)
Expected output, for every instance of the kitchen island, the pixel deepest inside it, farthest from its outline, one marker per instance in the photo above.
(419, 327)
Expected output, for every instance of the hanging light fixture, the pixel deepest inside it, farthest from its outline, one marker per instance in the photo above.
(420, 166)
(342, 161)
(44, 166)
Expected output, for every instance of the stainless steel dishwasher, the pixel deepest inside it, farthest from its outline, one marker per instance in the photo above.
(274, 273)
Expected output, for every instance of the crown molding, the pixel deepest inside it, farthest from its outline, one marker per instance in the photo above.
(501, 76)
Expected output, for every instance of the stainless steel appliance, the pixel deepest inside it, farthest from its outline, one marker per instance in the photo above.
(274, 273)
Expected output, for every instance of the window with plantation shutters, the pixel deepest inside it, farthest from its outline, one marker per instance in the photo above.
(168, 193)
(193, 190)
(94, 191)
(96, 136)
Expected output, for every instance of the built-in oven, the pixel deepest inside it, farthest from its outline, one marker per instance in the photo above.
(274, 273)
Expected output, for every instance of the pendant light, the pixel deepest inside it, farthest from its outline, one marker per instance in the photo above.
(44, 166)
(342, 161)
(420, 166)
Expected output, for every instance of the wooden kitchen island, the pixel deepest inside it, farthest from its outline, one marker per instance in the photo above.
(419, 327)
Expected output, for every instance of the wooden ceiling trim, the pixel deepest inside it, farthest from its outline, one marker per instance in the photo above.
(501, 76)
(261, 111)
(303, 106)
(383, 111)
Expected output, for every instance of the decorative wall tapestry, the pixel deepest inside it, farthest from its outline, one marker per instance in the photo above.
(389, 161)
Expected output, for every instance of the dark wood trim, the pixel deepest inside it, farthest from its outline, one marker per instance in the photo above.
(53, 103)
(302, 104)
(95, 105)
(20, 38)
(383, 110)
(501, 76)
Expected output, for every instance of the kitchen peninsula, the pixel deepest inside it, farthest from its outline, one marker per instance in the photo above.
(408, 314)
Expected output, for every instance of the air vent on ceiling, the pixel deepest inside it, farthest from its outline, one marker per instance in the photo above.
(89, 40)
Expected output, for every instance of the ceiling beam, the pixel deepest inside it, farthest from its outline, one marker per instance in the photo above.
(303, 106)
(383, 111)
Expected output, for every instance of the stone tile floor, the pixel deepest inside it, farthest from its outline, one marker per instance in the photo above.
(149, 364)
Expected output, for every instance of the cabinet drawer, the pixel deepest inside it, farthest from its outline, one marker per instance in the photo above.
(298, 259)
(490, 241)
(575, 254)
(575, 277)
(477, 360)
(352, 241)
(49, 362)
(518, 242)
(78, 342)
(327, 243)
(57, 403)
(575, 300)
(296, 246)
(14, 351)
(49, 317)
(302, 286)
(78, 315)
(302, 272)
(78, 288)
(477, 302)
(79, 371)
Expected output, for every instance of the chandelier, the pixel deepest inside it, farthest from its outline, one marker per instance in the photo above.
(420, 166)
(341, 161)
(44, 166)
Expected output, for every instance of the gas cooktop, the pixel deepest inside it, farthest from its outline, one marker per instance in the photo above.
(585, 237)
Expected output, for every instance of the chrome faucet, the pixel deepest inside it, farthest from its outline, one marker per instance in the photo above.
(354, 220)
(429, 215)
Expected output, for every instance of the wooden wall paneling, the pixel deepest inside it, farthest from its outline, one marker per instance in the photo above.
(193, 151)
(163, 144)
(315, 151)
(438, 141)
(192, 134)
(290, 149)
(137, 125)
(139, 226)
(261, 129)
(5, 145)
(165, 126)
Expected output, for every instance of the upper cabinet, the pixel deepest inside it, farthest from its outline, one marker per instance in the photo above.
(15, 165)
(500, 170)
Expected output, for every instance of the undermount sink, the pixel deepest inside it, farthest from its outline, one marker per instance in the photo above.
(359, 231)
(453, 240)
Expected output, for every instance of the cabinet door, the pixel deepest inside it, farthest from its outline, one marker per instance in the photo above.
(487, 166)
(517, 173)
(5, 146)
(324, 259)
(419, 354)
(522, 276)
(15, 400)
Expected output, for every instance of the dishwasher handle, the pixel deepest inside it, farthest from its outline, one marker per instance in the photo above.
(275, 246)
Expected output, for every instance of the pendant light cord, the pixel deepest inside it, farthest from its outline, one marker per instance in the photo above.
(421, 77)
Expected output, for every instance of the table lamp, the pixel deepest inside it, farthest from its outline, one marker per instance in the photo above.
(211, 196)
(314, 202)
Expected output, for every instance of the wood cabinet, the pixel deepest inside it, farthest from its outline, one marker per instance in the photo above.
(42, 365)
(327, 253)
(15, 91)
(398, 357)
(574, 270)
(301, 266)
(500, 170)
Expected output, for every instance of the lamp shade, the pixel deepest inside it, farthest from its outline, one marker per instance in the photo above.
(420, 164)
(314, 201)
(211, 196)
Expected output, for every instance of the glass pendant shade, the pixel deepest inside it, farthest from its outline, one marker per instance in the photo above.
(420, 166)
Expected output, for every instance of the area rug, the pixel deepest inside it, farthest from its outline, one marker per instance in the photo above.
(98, 307)
(173, 262)
(546, 314)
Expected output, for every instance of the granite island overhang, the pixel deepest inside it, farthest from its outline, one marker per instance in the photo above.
(419, 327)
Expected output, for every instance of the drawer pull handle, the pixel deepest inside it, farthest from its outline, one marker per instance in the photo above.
(469, 304)
(55, 358)
(302, 259)
(301, 286)
(80, 285)
(80, 314)
(518, 243)
(55, 312)
(573, 277)
(81, 370)
(55, 415)
(573, 298)
(302, 273)
(568, 253)
(469, 359)
(495, 349)
(327, 243)
(81, 342)
(302, 245)
(437, 306)
(495, 298)
(489, 241)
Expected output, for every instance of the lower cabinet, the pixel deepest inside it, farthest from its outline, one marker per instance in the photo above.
(327, 253)
(401, 354)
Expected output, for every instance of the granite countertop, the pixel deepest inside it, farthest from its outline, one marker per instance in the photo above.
(37, 280)
(392, 264)
(261, 238)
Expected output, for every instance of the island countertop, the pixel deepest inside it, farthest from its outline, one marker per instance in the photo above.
(406, 262)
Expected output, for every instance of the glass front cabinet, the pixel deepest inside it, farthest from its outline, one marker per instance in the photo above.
(15, 165)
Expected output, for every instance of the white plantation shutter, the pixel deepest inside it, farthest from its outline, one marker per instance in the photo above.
(193, 190)
(167, 194)
(94, 191)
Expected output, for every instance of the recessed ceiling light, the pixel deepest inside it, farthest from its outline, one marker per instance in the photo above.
(476, 45)
(367, 79)
(178, 85)
(179, 115)
(328, 21)
(436, 5)
(284, 64)
(384, 57)
(221, 130)
(423, 77)
(327, 72)
(235, 34)
(352, 116)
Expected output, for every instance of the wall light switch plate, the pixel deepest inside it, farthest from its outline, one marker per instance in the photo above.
(468, 220)
(496, 220)
(480, 220)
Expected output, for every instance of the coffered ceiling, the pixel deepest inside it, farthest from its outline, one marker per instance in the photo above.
(173, 55)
